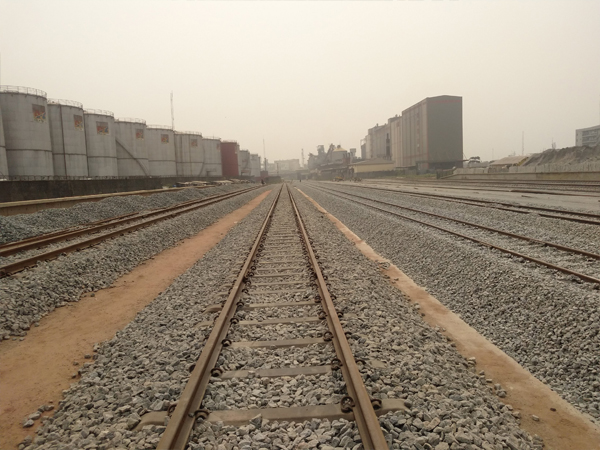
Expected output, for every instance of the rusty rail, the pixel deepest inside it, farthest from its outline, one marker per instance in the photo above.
(582, 276)
(189, 406)
(362, 406)
(582, 217)
(163, 214)
(188, 409)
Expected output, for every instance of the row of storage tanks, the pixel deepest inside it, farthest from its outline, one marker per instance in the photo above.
(44, 137)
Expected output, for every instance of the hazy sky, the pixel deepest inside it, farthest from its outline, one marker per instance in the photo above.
(301, 74)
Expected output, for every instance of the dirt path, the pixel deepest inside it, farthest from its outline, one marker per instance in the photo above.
(35, 371)
(561, 428)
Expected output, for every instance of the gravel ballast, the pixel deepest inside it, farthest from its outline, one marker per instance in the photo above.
(145, 367)
(30, 295)
(22, 226)
(547, 322)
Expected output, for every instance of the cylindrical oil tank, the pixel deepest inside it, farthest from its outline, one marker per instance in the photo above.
(132, 156)
(188, 153)
(67, 135)
(100, 143)
(244, 162)
(229, 158)
(212, 166)
(3, 162)
(255, 166)
(26, 131)
(160, 144)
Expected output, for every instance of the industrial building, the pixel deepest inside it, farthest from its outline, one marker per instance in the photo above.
(378, 142)
(285, 165)
(432, 135)
(587, 136)
(427, 136)
(395, 125)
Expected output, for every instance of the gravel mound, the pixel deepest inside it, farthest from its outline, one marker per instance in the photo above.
(22, 226)
(26, 297)
(145, 367)
(549, 324)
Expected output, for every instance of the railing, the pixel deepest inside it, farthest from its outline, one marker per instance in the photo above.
(22, 90)
(214, 138)
(159, 127)
(54, 101)
(99, 112)
(195, 133)
(129, 119)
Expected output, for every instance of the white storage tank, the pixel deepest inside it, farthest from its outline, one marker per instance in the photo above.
(26, 131)
(132, 157)
(212, 166)
(188, 153)
(160, 144)
(244, 162)
(255, 166)
(100, 143)
(67, 134)
(3, 162)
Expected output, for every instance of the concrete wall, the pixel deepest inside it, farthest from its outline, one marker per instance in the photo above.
(15, 191)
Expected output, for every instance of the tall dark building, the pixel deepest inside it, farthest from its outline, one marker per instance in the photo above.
(432, 135)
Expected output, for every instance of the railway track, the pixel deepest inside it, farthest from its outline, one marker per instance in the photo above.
(568, 188)
(552, 213)
(554, 251)
(280, 264)
(99, 231)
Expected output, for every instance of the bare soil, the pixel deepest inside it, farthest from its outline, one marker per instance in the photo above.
(35, 371)
(562, 427)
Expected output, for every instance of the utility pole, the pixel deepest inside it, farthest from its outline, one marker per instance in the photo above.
(523, 144)
(172, 113)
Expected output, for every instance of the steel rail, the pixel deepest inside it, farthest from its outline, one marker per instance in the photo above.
(491, 204)
(582, 276)
(11, 248)
(184, 416)
(483, 227)
(41, 240)
(21, 264)
(364, 412)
